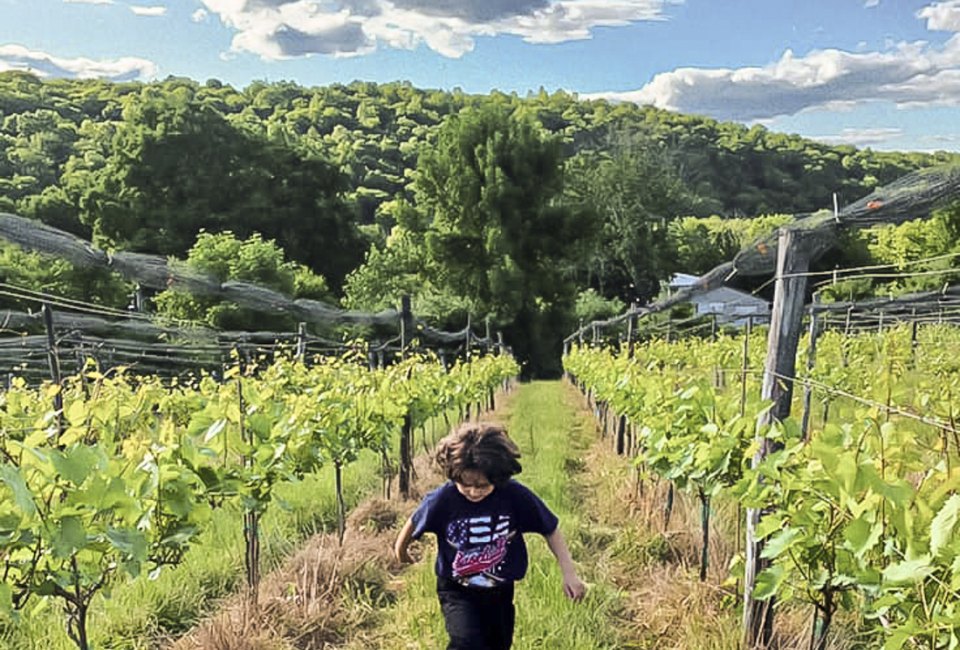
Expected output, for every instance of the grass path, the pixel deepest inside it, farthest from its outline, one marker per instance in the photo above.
(643, 588)
(554, 437)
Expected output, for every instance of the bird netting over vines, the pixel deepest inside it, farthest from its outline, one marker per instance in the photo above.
(157, 272)
(913, 196)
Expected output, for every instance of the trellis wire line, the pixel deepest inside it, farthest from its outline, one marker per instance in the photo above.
(57, 303)
(874, 267)
(892, 408)
(42, 296)
(891, 276)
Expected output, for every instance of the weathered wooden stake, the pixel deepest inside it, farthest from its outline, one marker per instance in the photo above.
(53, 358)
(406, 325)
(811, 361)
(301, 341)
(786, 321)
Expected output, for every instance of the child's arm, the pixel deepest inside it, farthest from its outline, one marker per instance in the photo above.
(403, 542)
(573, 587)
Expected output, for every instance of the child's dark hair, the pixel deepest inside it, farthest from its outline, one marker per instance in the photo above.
(480, 446)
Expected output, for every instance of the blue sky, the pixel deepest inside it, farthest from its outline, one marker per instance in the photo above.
(877, 73)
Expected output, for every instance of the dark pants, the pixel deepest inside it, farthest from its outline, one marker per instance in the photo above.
(477, 618)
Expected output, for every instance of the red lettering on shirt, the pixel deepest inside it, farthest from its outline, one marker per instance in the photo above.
(468, 563)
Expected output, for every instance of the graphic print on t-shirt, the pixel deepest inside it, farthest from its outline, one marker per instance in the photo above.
(481, 544)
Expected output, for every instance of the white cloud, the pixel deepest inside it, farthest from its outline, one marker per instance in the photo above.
(942, 16)
(199, 15)
(906, 74)
(860, 137)
(276, 29)
(871, 3)
(90, 2)
(148, 11)
(17, 57)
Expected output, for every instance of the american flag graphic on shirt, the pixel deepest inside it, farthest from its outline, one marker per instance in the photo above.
(481, 544)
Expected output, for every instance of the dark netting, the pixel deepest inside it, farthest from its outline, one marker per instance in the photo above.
(156, 272)
(37, 236)
(258, 297)
(910, 302)
(913, 196)
(17, 320)
(431, 334)
(316, 311)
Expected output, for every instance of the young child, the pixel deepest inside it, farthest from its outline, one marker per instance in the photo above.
(479, 517)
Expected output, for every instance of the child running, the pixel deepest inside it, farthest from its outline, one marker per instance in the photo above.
(479, 517)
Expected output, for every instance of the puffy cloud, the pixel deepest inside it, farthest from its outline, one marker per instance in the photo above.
(148, 11)
(861, 137)
(942, 16)
(908, 75)
(199, 15)
(871, 3)
(17, 57)
(276, 29)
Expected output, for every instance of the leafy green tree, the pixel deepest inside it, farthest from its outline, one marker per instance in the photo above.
(700, 244)
(177, 167)
(592, 306)
(254, 260)
(499, 234)
(634, 192)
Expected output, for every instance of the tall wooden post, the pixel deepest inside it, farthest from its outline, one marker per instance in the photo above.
(786, 323)
(406, 432)
(811, 361)
(406, 324)
(466, 340)
(301, 341)
(53, 358)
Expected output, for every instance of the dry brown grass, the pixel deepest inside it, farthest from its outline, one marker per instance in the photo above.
(300, 605)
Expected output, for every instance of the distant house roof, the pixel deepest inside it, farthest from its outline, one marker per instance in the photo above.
(681, 280)
(731, 297)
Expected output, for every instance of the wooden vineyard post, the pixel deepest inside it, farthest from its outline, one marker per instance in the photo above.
(406, 325)
(53, 358)
(251, 516)
(811, 361)
(745, 366)
(406, 433)
(622, 435)
(913, 338)
(744, 372)
(786, 321)
(301, 341)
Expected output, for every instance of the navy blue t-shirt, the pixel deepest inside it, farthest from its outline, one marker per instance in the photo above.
(481, 544)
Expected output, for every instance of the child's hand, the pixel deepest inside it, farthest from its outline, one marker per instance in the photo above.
(401, 552)
(573, 587)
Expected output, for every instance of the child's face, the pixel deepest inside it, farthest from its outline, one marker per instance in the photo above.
(474, 485)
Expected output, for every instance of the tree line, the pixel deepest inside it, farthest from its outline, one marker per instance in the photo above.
(534, 209)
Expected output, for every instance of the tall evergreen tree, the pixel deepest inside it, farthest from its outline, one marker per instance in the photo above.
(500, 234)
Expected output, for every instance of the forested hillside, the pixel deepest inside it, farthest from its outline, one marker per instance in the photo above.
(499, 204)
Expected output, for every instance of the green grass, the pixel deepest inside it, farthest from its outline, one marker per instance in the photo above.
(552, 438)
